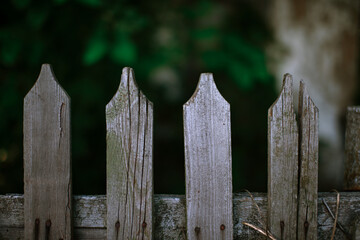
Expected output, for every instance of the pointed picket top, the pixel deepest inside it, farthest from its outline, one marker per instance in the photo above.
(129, 124)
(47, 163)
(207, 138)
(308, 179)
(127, 82)
(283, 164)
(206, 87)
(47, 76)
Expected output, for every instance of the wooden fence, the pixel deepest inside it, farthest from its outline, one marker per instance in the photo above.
(292, 208)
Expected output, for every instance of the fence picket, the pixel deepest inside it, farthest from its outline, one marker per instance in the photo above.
(47, 164)
(129, 121)
(283, 164)
(208, 163)
(292, 202)
(352, 149)
(308, 179)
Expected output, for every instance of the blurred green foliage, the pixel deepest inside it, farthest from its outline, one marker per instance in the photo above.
(168, 44)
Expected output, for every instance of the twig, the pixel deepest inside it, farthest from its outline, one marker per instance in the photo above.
(262, 222)
(348, 236)
(336, 213)
(267, 234)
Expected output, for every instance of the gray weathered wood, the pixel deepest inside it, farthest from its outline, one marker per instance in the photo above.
(352, 149)
(356, 229)
(47, 165)
(89, 216)
(129, 121)
(308, 179)
(208, 163)
(283, 164)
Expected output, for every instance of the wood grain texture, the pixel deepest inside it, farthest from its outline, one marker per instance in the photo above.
(309, 152)
(283, 164)
(352, 149)
(129, 124)
(356, 229)
(170, 216)
(208, 163)
(47, 165)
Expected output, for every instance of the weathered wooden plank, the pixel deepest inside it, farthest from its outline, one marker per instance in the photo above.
(47, 165)
(129, 121)
(309, 152)
(356, 229)
(208, 163)
(170, 216)
(283, 164)
(352, 149)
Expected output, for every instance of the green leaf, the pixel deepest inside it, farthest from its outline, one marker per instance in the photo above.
(35, 53)
(59, 1)
(96, 48)
(123, 51)
(91, 3)
(214, 59)
(20, 4)
(10, 51)
(240, 74)
(205, 33)
(36, 17)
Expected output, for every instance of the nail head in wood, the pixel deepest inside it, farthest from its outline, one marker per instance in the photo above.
(222, 227)
(48, 223)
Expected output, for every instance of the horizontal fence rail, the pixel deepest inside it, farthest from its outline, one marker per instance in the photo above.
(89, 217)
(291, 209)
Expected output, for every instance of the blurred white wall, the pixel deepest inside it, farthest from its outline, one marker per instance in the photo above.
(317, 41)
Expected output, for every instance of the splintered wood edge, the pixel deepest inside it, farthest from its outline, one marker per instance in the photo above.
(287, 84)
(307, 229)
(128, 80)
(272, 188)
(126, 75)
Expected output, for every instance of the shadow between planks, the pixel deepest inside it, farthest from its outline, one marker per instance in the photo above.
(89, 215)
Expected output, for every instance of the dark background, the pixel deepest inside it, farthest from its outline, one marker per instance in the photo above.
(168, 43)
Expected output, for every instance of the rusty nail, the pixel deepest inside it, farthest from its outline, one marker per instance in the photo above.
(117, 225)
(47, 226)
(197, 230)
(37, 223)
(222, 227)
(306, 226)
(144, 224)
(282, 225)
(48, 223)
